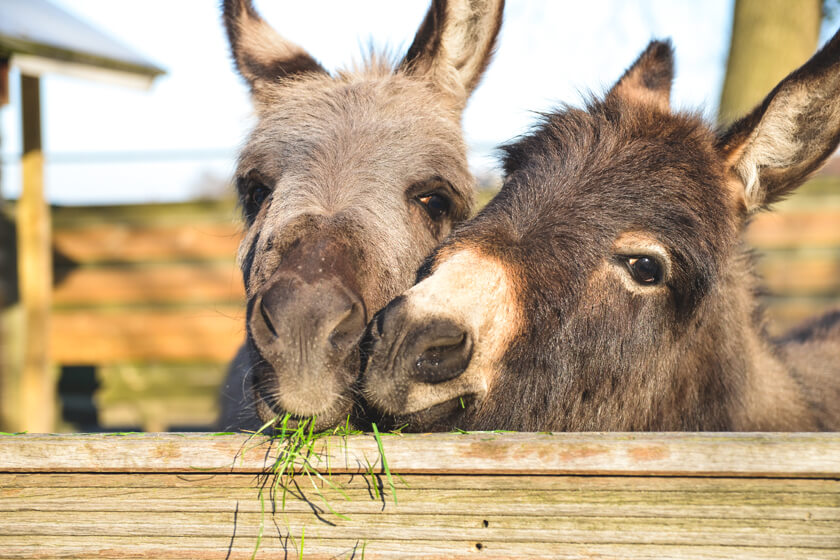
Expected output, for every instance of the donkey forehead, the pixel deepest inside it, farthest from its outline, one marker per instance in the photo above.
(604, 172)
(380, 128)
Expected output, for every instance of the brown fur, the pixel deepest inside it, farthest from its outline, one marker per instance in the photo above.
(332, 181)
(587, 194)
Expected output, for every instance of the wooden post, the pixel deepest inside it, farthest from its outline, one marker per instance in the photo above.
(37, 386)
(4, 81)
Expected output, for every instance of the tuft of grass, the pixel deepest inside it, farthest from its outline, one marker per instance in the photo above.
(297, 457)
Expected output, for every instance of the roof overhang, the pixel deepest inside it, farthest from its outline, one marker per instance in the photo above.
(40, 38)
(34, 65)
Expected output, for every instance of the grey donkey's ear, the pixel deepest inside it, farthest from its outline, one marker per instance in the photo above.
(781, 142)
(648, 80)
(261, 55)
(454, 44)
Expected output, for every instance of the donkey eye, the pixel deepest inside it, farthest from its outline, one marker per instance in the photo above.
(258, 194)
(645, 270)
(253, 192)
(436, 204)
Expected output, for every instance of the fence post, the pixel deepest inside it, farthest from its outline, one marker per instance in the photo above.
(37, 384)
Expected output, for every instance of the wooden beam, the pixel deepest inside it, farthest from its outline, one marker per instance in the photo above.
(37, 387)
(785, 455)
(481, 495)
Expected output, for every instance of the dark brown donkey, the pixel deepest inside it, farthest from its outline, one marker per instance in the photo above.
(607, 287)
(347, 182)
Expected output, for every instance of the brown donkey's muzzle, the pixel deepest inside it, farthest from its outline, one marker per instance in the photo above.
(306, 323)
(407, 353)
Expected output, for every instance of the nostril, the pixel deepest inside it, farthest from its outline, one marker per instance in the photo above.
(444, 352)
(349, 329)
(267, 319)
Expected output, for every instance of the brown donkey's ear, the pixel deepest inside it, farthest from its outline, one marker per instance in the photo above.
(261, 55)
(454, 44)
(781, 142)
(648, 80)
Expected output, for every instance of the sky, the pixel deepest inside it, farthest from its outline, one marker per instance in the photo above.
(105, 144)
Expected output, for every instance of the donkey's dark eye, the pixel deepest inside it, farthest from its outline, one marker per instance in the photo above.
(258, 194)
(645, 270)
(436, 204)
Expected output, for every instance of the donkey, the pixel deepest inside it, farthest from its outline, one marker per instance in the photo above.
(346, 183)
(607, 287)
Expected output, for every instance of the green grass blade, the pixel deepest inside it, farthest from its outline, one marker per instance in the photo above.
(384, 461)
(262, 525)
(302, 536)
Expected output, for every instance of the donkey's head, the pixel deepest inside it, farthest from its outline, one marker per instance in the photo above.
(605, 287)
(347, 182)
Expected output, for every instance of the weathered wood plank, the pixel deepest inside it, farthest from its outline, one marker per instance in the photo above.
(682, 530)
(672, 454)
(484, 495)
(828, 487)
(170, 214)
(118, 242)
(452, 501)
(210, 334)
(235, 547)
(810, 227)
(204, 283)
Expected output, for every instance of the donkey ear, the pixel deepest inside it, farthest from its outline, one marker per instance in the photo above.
(648, 80)
(796, 128)
(455, 43)
(261, 55)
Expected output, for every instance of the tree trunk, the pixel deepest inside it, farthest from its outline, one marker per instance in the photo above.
(770, 38)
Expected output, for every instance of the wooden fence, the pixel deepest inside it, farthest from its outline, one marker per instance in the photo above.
(798, 245)
(483, 495)
(149, 296)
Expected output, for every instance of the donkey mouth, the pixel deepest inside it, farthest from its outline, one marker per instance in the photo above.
(443, 416)
(273, 413)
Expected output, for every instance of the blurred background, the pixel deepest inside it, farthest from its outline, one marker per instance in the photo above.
(120, 301)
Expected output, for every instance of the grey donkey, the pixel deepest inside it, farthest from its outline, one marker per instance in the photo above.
(347, 181)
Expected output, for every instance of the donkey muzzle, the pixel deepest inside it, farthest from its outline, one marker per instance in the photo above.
(415, 363)
(306, 323)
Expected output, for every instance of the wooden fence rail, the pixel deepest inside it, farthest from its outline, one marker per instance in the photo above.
(488, 495)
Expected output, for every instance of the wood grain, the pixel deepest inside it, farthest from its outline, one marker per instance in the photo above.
(112, 242)
(136, 496)
(671, 454)
(209, 334)
(178, 283)
(808, 227)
